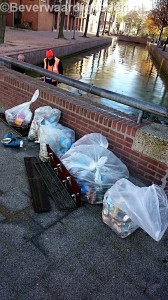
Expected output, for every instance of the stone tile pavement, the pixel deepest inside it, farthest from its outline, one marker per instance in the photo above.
(69, 255)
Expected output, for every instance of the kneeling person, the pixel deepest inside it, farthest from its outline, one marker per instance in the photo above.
(52, 64)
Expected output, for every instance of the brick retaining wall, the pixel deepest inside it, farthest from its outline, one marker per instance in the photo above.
(159, 56)
(84, 117)
(132, 39)
(36, 56)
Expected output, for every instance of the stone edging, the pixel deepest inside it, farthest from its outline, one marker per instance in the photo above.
(160, 57)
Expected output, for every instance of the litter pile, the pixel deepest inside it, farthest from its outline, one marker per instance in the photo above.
(95, 167)
(86, 168)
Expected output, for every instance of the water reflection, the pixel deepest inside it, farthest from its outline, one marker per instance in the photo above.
(122, 68)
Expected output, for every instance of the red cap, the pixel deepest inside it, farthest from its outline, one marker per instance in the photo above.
(49, 53)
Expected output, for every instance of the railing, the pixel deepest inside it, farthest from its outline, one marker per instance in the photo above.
(92, 89)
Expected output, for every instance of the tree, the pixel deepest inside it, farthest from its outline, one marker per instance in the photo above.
(151, 27)
(87, 18)
(112, 9)
(110, 5)
(76, 9)
(62, 18)
(166, 42)
(133, 21)
(160, 16)
(2, 23)
(116, 8)
(100, 17)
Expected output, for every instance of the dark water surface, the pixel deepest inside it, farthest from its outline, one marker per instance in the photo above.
(123, 68)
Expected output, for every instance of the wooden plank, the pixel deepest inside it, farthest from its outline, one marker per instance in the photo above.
(38, 189)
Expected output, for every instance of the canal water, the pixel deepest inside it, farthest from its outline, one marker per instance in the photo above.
(123, 68)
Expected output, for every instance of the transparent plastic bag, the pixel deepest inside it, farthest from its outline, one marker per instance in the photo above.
(92, 139)
(44, 115)
(43, 154)
(59, 137)
(147, 207)
(21, 115)
(95, 168)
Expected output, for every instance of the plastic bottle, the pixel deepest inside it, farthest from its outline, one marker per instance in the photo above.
(14, 144)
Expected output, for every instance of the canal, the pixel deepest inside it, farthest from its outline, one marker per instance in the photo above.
(123, 68)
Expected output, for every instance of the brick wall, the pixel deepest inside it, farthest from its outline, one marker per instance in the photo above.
(27, 17)
(132, 39)
(9, 19)
(84, 117)
(159, 57)
(30, 16)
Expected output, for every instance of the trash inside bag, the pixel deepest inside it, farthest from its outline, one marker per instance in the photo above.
(44, 115)
(58, 137)
(147, 207)
(117, 220)
(92, 139)
(21, 115)
(95, 168)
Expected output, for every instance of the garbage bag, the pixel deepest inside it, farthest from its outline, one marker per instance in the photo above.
(92, 139)
(58, 137)
(95, 168)
(45, 115)
(21, 115)
(147, 207)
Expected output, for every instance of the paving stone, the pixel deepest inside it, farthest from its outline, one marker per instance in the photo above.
(57, 242)
(4, 248)
(29, 149)
(25, 266)
(84, 222)
(6, 292)
(113, 290)
(48, 218)
(13, 166)
(13, 180)
(15, 200)
(158, 250)
(37, 292)
(149, 278)
(18, 231)
(146, 245)
(2, 217)
(98, 256)
(72, 281)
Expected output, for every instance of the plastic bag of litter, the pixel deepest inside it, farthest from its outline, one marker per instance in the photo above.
(21, 115)
(45, 115)
(147, 207)
(58, 137)
(92, 139)
(95, 168)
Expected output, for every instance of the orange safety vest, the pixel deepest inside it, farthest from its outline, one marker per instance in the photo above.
(51, 68)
